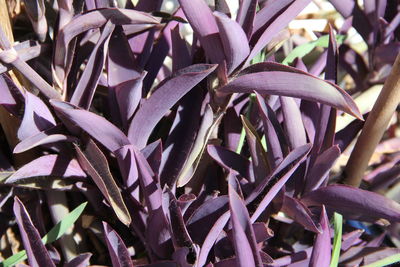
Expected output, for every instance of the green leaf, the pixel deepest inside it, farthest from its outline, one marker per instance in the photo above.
(55, 233)
(252, 98)
(385, 261)
(302, 50)
(241, 141)
(337, 239)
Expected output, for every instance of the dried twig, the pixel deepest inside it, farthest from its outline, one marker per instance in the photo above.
(374, 128)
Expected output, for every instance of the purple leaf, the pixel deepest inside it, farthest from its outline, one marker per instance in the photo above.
(37, 117)
(351, 239)
(48, 165)
(97, 18)
(43, 138)
(361, 23)
(158, 240)
(231, 160)
(354, 203)
(300, 257)
(207, 126)
(262, 232)
(98, 127)
(157, 56)
(246, 15)
(295, 209)
(35, 249)
(148, 180)
(246, 250)
(66, 12)
(181, 137)
(153, 154)
(321, 254)
(205, 217)
(9, 95)
(81, 260)
(366, 255)
(179, 231)
(118, 252)
(36, 10)
(321, 167)
(128, 169)
(211, 238)
(148, 6)
(293, 160)
(204, 25)
(232, 129)
(277, 79)
(383, 54)
(182, 255)
(164, 97)
(293, 122)
(89, 79)
(258, 155)
(95, 164)
(264, 16)
(121, 65)
(275, 138)
(128, 97)
(325, 128)
(234, 41)
(281, 19)
(180, 54)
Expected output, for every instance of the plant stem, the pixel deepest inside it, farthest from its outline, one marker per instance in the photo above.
(58, 206)
(374, 128)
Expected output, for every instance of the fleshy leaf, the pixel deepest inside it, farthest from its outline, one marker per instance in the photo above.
(246, 15)
(48, 165)
(91, 20)
(234, 41)
(318, 172)
(37, 117)
(95, 164)
(81, 260)
(321, 254)
(204, 217)
(45, 137)
(35, 249)
(118, 252)
(204, 25)
(98, 127)
(354, 203)
(295, 209)
(231, 160)
(211, 238)
(84, 91)
(258, 155)
(36, 13)
(293, 122)
(55, 233)
(293, 160)
(247, 252)
(275, 138)
(158, 240)
(276, 79)
(163, 98)
(207, 126)
(281, 19)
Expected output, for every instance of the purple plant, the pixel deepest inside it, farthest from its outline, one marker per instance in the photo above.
(220, 156)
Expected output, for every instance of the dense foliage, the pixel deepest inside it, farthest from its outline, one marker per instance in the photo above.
(225, 147)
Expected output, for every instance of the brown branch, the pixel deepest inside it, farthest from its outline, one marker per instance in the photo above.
(374, 128)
